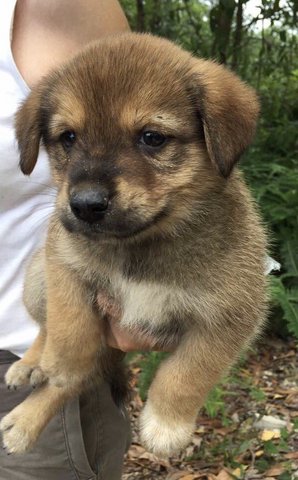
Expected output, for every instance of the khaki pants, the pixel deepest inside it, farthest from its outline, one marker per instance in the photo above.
(85, 441)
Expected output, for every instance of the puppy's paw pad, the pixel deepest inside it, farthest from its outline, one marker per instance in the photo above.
(161, 437)
(18, 374)
(38, 377)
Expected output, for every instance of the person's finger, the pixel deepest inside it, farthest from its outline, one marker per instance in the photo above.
(119, 338)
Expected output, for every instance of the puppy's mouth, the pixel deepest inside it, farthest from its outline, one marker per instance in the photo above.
(121, 225)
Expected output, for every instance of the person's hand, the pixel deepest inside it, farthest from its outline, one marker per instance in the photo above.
(123, 340)
(117, 337)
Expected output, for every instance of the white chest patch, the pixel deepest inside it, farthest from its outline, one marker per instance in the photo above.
(146, 301)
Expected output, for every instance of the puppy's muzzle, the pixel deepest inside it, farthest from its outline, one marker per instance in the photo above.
(89, 205)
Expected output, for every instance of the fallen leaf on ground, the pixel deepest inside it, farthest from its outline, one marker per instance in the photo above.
(259, 453)
(237, 472)
(180, 476)
(275, 471)
(291, 456)
(270, 435)
(224, 475)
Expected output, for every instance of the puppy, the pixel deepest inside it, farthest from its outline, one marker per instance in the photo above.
(142, 140)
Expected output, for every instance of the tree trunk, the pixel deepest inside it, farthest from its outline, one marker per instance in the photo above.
(140, 16)
(221, 16)
(155, 20)
(237, 35)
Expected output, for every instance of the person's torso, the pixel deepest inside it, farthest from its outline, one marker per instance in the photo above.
(25, 202)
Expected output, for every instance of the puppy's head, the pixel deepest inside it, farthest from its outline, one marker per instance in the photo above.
(138, 133)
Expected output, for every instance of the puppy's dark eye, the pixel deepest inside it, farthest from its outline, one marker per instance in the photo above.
(67, 139)
(153, 139)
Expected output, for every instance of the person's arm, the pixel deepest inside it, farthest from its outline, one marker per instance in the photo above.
(47, 33)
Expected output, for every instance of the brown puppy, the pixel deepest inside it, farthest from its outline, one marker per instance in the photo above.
(142, 140)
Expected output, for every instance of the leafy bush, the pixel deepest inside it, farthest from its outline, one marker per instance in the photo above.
(271, 169)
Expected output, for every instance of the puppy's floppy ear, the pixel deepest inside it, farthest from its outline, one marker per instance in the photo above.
(28, 131)
(229, 110)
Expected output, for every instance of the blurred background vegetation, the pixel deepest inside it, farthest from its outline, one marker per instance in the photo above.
(258, 40)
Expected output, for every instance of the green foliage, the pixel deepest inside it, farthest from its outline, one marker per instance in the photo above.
(287, 300)
(186, 23)
(149, 365)
(271, 168)
(257, 394)
(215, 403)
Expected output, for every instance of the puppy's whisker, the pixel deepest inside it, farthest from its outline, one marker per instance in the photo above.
(48, 206)
(43, 193)
(45, 185)
(42, 222)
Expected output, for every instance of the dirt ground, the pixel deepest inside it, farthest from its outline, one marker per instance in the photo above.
(248, 430)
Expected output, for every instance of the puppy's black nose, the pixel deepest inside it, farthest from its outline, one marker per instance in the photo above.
(89, 205)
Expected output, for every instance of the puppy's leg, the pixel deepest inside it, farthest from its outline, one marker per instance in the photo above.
(181, 386)
(68, 359)
(26, 370)
(74, 329)
(34, 294)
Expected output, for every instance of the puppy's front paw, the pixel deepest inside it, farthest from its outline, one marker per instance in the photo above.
(20, 429)
(22, 374)
(18, 374)
(161, 437)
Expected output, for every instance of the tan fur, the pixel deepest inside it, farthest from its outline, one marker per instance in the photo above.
(180, 250)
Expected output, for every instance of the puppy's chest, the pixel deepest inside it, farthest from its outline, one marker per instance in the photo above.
(145, 295)
(133, 282)
(145, 302)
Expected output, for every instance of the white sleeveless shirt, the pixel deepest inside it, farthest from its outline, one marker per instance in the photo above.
(25, 202)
